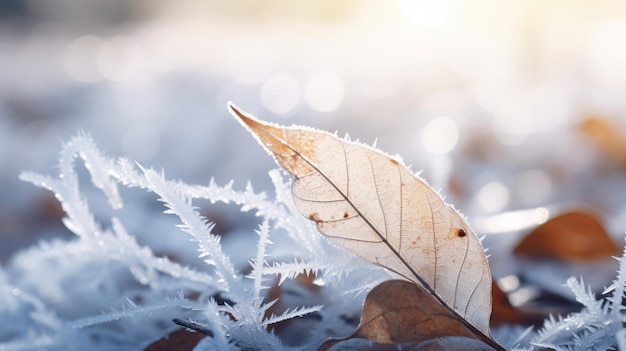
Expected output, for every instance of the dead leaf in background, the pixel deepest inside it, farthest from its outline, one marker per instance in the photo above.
(504, 312)
(398, 311)
(179, 340)
(372, 205)
(276, 293)
(607, 136)
(574, 235)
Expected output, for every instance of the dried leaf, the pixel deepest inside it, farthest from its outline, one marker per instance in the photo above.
(574, 235)
(398, 311)
(606, 135)
(274, 293)
(179, 340)
(505, 313)
(372, 205)
(449, 343)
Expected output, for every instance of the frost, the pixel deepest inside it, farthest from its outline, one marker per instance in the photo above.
(598, 326)
(127, 274)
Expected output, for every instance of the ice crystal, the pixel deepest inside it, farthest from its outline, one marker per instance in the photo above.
(112, 286)
(127, 273)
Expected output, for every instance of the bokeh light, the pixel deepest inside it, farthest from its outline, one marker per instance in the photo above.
(493, 197)
(80, 59)
(493, 100)
(440, 135)
(512, 221)
(120, 59)
(324, 91)
(280, 93)
(606, 52)
(425, 13)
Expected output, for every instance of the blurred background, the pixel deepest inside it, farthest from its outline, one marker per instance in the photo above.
(504, 105)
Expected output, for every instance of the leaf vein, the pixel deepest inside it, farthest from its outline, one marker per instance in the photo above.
(380, 204)
(458, 275)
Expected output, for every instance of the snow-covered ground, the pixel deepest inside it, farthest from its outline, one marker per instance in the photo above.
(486, 98)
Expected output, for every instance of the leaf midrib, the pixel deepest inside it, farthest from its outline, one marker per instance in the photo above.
(472, 328)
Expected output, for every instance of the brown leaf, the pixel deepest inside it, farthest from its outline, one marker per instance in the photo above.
(398, 311)
(607, 136)
(451, 343)
(372, 205)
(180, 340)
(274, 293)
(505, 313)
(448, 343)
(574, 235)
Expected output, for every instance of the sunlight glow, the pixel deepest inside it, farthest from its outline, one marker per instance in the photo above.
(424, 13)
(512, 221)
(523, 295)
(509, 283)
(440, 135)
(280, 93)
(607, 54)
(498, 87)
(493, 197)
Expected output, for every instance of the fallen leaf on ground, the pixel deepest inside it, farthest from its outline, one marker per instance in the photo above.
(372, 205)
(179, 340)
(398, 311)
(505, 313)
(448, 343)
(607, 136)
(574, 235)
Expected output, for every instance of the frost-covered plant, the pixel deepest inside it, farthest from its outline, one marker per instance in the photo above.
(598, 326)
(109, 288)
(53, 295)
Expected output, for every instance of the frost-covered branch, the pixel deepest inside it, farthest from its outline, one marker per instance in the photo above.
(596, 326)
(59, 288)
(198, 227)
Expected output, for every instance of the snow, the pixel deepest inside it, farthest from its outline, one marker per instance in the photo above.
(152, 88)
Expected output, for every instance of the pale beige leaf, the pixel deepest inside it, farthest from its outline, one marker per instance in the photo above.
(372, 205)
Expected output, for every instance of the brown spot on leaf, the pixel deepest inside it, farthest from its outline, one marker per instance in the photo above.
(345, 215)
(314, 216)
(401, 205)
(456, 233)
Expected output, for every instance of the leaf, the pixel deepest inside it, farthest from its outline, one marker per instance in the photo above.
(606, 135)
(398, 311)
(179, 340)
(372, 205)
(505, 313)
(448, 343)
(574, 235)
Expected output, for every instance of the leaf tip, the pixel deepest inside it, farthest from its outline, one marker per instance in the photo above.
(236, 112)
(253, 124)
